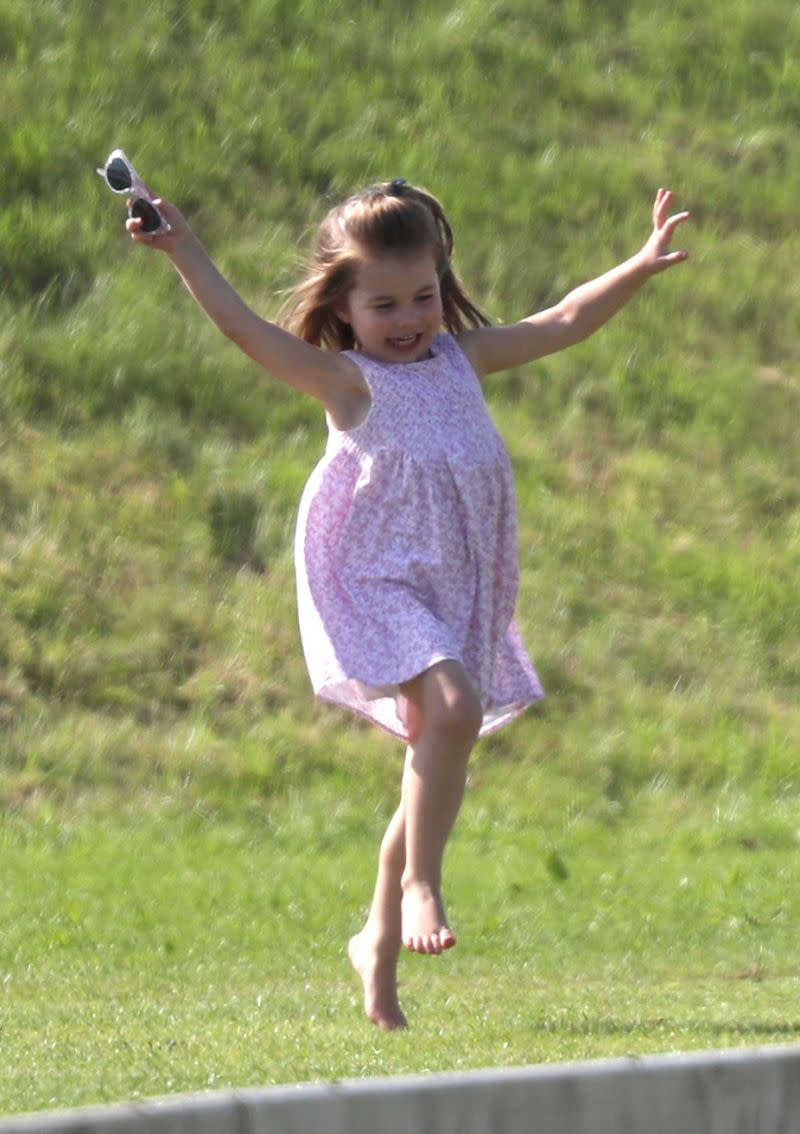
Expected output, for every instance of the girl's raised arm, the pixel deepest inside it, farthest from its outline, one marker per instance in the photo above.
(334, 379)
(582, 311)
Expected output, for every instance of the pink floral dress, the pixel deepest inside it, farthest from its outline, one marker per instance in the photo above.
(406, 547)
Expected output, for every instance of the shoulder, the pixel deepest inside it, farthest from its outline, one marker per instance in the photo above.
(463, 351)
(351, 402)
(502, 347)
(476, 344)
(450, 347)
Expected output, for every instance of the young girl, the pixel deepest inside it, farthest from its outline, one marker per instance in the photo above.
(406, 542)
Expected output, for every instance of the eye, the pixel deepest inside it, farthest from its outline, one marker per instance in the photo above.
(425, 298)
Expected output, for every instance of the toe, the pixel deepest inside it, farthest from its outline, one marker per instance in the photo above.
(433, 945)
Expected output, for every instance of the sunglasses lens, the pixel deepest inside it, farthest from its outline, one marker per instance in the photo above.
(147, 213)
(118, 175)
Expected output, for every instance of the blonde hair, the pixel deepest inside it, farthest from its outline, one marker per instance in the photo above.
(391, 216)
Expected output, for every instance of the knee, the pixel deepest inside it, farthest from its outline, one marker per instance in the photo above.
(456, 716)
(444, 704)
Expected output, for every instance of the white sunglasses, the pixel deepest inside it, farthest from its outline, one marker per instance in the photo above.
(120, 176)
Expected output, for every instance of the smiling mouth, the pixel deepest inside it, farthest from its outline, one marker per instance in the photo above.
(405, 342)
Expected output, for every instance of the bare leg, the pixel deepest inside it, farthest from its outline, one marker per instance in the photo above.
(374, 951)
(444, 718)
(449, 714)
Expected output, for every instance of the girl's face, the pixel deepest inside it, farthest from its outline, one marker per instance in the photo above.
(395, 306)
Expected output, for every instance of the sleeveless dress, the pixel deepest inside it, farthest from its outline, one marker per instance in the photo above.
(406, 551)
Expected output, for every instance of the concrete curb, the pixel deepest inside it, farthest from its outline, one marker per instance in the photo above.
(750, 1091)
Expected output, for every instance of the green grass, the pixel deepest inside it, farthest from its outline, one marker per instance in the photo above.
(161, 953)
(187, 840)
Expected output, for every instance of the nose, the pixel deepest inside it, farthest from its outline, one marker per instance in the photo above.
(405, 316)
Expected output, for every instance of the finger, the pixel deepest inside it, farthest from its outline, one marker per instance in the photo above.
(134, 227)
(662, 203)
(671, 258)
(671, 223)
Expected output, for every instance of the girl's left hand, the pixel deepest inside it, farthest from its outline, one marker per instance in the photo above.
(656, 252)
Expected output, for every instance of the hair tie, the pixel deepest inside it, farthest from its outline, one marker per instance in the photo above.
(397, 187)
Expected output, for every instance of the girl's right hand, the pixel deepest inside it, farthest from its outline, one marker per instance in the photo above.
(165, 241)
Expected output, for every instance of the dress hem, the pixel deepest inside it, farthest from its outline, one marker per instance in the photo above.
(494, 716)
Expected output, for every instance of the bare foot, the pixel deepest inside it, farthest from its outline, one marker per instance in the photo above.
(378, 974)
(425, 928)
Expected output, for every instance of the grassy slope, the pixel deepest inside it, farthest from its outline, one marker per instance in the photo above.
(657, 464)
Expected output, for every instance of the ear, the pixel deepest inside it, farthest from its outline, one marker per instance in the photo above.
(342, 311)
